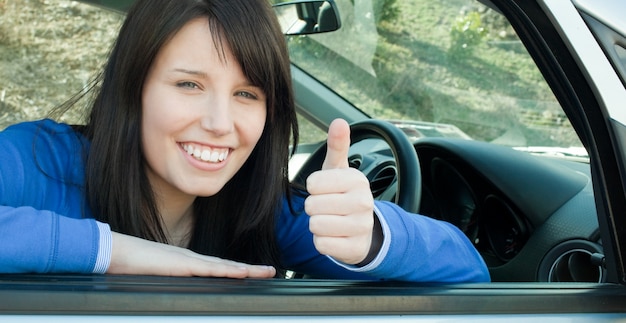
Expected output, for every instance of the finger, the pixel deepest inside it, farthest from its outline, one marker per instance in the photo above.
(336, 181)
(202, 269)
(258, 272)
(230, 271)
(338, 145)
(261, 272)
(252, 271)
(340, 226)
(218, 267)
(339, 204)
(344, 249)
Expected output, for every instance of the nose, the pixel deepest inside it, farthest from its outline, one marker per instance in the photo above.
(218, 117)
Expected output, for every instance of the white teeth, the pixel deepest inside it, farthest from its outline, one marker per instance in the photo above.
(207, 154)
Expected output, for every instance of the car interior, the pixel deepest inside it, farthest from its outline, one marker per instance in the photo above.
(457, 113)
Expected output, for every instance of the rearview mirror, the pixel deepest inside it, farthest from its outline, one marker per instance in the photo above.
(307, 17)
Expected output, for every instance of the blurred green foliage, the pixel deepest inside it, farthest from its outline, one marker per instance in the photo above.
(466, 34)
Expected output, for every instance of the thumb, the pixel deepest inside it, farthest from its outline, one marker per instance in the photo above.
(338, 145)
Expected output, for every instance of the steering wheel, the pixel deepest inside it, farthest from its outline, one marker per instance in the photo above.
(409, 181)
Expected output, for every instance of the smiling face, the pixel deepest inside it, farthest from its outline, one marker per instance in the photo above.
(201, 116)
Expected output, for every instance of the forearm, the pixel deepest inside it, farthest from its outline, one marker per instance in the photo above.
(424, 249)
(43, 242)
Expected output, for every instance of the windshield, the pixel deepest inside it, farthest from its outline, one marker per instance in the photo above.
(439, 68)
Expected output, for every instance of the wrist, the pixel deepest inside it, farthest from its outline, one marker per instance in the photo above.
(375, 245)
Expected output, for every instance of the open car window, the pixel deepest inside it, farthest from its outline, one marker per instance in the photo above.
(453, 70)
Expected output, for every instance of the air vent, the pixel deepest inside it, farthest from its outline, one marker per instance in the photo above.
(355, 161)
(573, 261)
(381, 179)
(575, 266)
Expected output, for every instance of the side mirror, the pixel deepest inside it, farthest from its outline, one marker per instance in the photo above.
(307, 17)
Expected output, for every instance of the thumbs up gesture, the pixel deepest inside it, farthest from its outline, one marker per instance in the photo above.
(340, 203)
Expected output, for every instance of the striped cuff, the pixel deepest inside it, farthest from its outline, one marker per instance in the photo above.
(104, 250)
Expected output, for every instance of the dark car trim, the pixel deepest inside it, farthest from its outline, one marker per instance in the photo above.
(146, 295)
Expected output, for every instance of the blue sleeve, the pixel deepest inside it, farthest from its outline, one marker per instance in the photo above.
(415, 248)
(44, 226)
(423, 249)
(39, 241)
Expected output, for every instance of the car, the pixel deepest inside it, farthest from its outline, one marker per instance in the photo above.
(503, 117)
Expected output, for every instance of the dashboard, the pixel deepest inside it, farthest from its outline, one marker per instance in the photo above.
(532, 218)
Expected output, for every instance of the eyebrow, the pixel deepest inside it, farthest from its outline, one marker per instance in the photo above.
(190, 72)
(205, 75)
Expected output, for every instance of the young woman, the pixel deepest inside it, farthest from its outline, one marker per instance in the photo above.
(181, 169)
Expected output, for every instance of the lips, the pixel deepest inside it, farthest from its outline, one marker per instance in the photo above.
(206, 154)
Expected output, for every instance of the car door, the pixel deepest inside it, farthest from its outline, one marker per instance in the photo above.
(587, 81)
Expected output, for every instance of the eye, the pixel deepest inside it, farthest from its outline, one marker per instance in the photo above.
(187, 84)
(247, 95)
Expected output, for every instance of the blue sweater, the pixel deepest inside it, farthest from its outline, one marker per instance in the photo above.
(46, 226)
